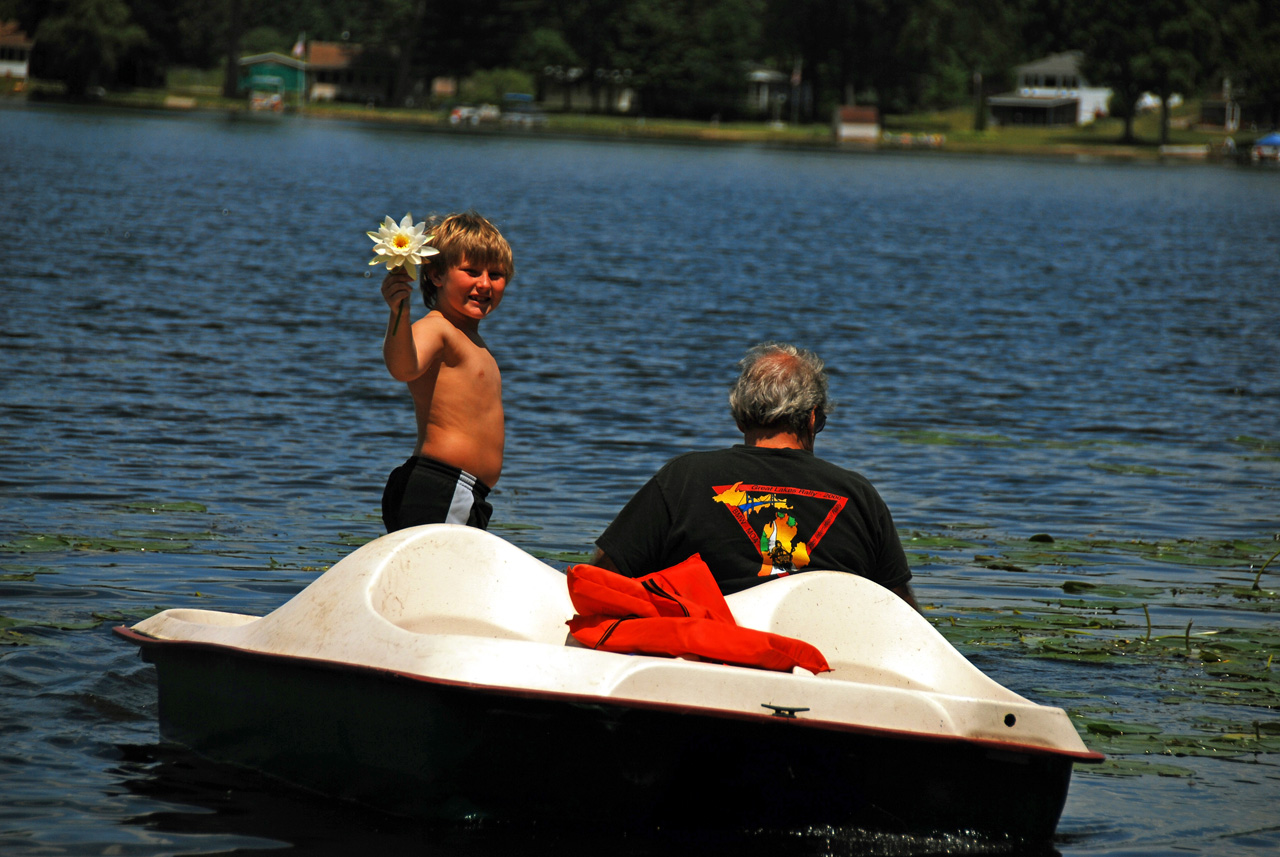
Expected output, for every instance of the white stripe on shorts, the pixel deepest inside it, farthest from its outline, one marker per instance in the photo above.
(464, 497)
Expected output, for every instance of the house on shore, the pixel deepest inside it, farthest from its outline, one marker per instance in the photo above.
(342, 71)
(856, 124)
(15, 51)
(1050, 91)
(322, 71)
(767, 90)
(274, 74)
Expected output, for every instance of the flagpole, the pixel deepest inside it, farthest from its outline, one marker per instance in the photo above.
(300, 54)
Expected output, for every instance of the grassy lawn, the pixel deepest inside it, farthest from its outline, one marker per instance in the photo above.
(1104, 136)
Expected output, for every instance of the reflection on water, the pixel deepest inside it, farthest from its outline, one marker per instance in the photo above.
(194, 413)
(196, 797)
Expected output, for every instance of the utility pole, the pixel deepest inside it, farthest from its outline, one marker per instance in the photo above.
(231, 71)
(979, 103)
(795, 91)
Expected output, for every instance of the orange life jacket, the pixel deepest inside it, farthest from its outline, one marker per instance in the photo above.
(678, 612)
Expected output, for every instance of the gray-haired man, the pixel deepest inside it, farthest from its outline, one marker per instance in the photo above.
(767, 506)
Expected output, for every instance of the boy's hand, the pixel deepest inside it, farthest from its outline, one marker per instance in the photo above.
(397, 286)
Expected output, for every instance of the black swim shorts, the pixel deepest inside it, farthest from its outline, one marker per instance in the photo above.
(425, 491)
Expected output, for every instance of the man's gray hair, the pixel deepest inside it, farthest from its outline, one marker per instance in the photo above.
(778, 387)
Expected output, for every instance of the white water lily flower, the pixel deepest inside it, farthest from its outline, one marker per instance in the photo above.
(402, 244)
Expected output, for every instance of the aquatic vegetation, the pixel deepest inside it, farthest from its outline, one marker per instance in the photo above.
(938, 437)
(16, 631)
(1043, 549)
(1122, 627)
(25, 573)
(355, 540)
(1237, 741)
(569, 557)
(1122, 767)
(122, 541)
(936, 542)
(1262, 449)
(35, 543)
(933, 437)
(1131, 469)
(156, 508)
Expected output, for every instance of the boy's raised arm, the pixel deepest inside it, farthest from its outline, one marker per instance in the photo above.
(407, 353)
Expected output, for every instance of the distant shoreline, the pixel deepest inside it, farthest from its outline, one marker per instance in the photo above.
(898, 137)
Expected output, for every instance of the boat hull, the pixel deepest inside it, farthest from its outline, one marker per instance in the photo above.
(422, 747)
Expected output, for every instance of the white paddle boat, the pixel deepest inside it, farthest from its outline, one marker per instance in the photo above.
(430, 673)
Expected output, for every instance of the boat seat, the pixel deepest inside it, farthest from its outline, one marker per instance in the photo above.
(447, 579)
(867, 633)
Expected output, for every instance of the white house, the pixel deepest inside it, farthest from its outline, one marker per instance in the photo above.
(856, 124)
(1051, 91)
(15, 50)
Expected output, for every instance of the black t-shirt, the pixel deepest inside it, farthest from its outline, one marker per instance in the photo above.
(755, 512)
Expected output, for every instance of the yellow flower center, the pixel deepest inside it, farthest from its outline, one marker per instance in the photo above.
(401, 242)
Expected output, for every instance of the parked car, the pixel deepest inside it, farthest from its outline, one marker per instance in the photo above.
(518, 110)
(464, 114)
(1266, 148)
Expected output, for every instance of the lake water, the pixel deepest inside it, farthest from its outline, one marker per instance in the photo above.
(195, 413)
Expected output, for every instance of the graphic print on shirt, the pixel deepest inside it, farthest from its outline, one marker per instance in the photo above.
(768, 517)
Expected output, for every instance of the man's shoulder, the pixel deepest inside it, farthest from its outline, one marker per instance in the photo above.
(745, 460)
(800, 465)
(699, 458)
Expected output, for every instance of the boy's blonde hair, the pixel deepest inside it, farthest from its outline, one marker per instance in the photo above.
(463, 237)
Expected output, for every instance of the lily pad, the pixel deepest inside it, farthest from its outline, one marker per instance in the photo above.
(1111, 590)
(1106, 727)
(1137, 768)
(1130, 469)
(113, 545)
(1258, 444)
(562, 556)
(154, 507)
(36, 543)
(7, 622)
(922, 541)
(934, 437)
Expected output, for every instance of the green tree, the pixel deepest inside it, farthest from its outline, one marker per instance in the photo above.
(28, 13)
(1137, 46)
(875, 51)
(490, 85)
(1186, 43)
(544, 53)
(231, 49)
(960, 49)
(262, 39)
(602, 34)
(1251, 53)
(819, 39)
(1046, 27)
(689, 56)
(1116, 37)
(460, 38)
(80, 42)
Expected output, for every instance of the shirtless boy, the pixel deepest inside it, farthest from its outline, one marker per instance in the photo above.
(452, 377)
